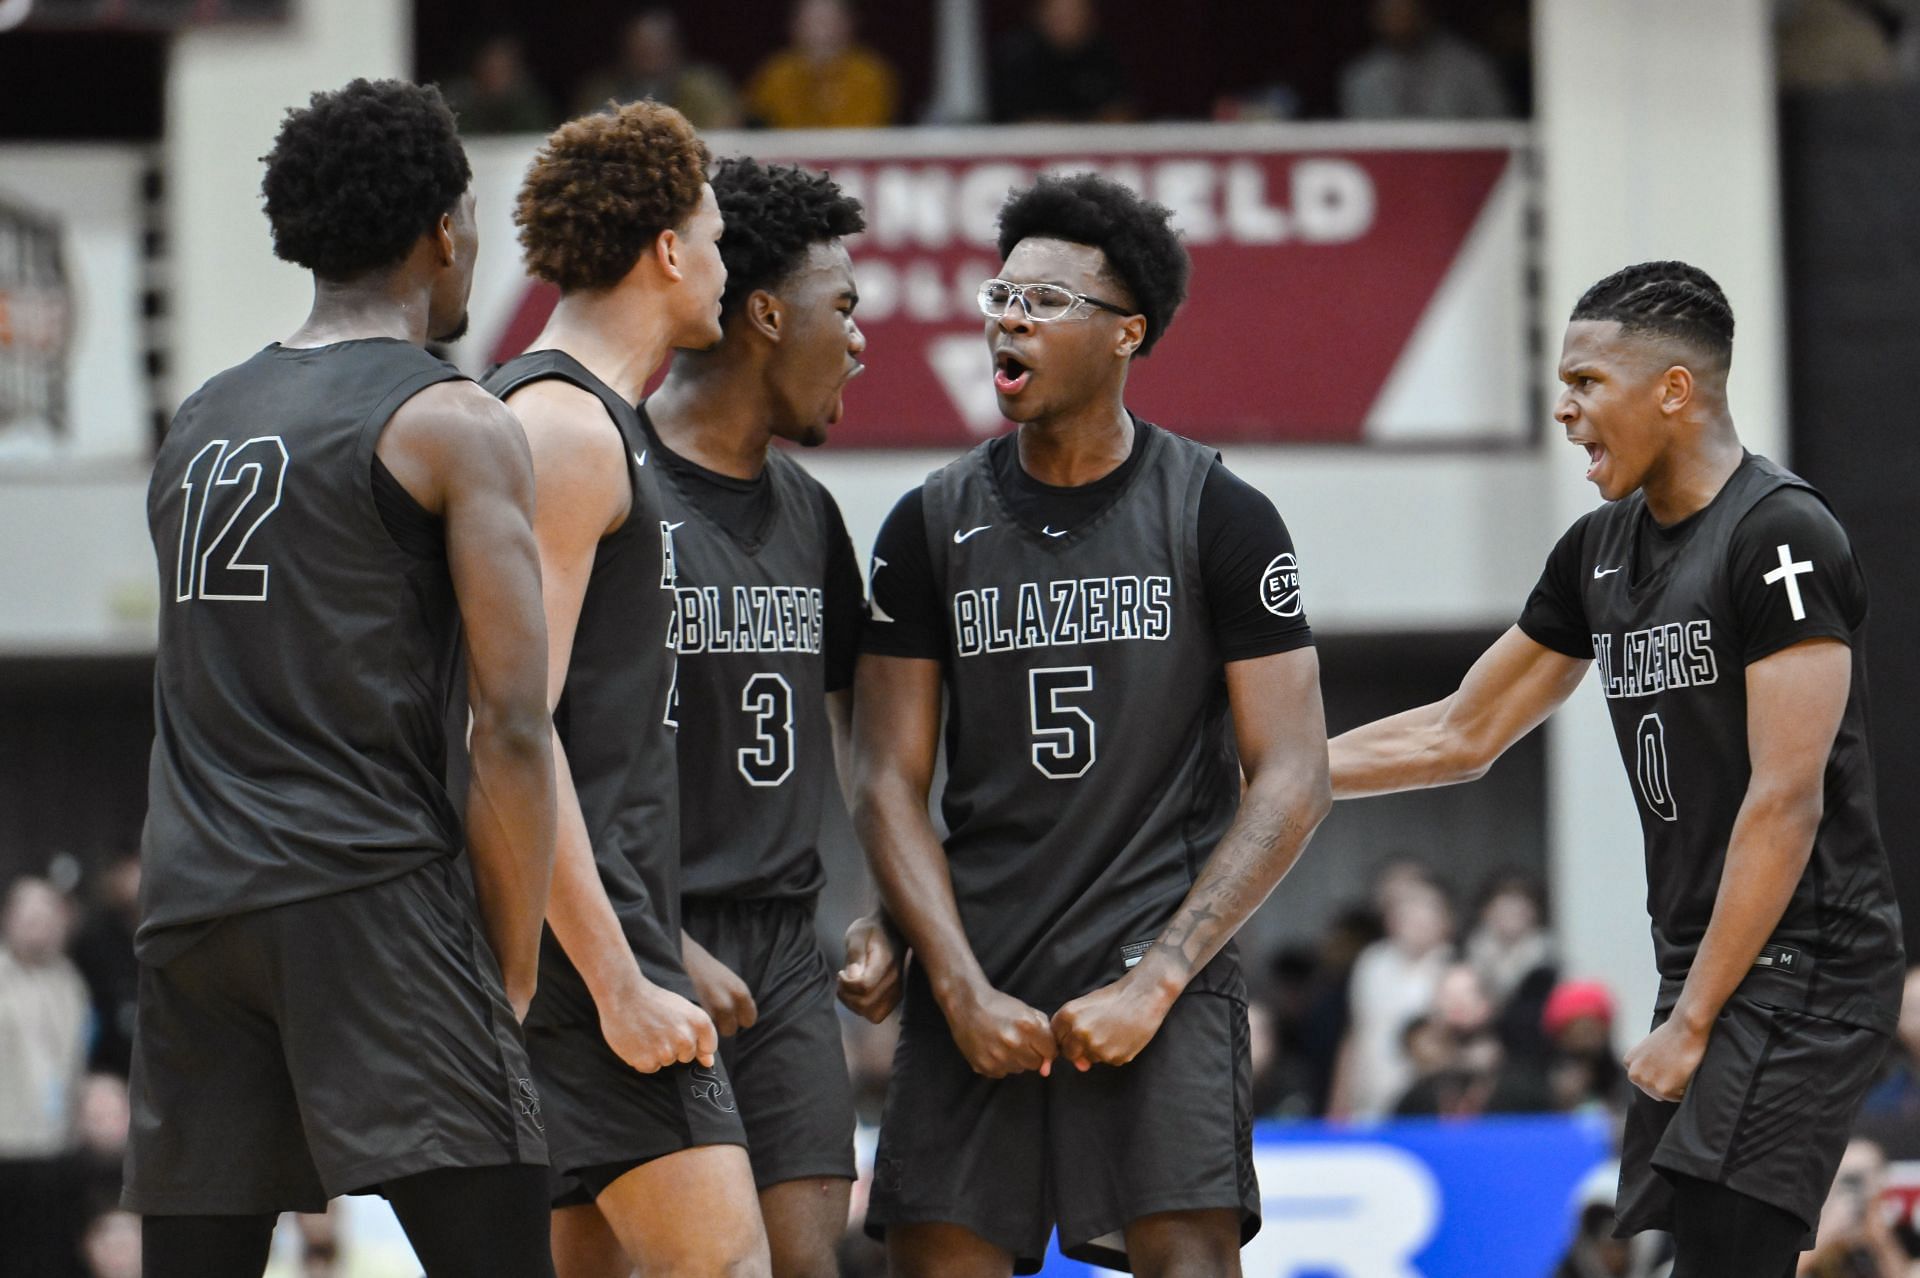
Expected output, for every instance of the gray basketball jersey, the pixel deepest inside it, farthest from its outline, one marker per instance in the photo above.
(305, 661)
(1091, 761)
(756, 757)
(1670, 663)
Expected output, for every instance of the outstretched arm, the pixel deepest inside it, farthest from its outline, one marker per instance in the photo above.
(896, 732)
(1514, 686)
(461, 454)
(1282, 734)
(1795, 701)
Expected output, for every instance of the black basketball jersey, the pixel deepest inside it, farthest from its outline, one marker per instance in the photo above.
(1091, 762)
(1672, 637)
(756, 754)
(305, 661)
(616, 715)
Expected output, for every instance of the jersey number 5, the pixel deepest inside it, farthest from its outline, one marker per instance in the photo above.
(1650, 773)
(1064, 744)
(260, 464)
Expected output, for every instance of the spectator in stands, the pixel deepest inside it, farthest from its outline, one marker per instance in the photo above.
(1513, 954)
(1855, 1239)
(103, 951)
(1059, 67)
(1393, 983)
(43, 1045)
(1583, 1073)
(1595, 1252)
(498, 93)
(1420, 70)
(1833, 44)
(653, 64)
(824, 79)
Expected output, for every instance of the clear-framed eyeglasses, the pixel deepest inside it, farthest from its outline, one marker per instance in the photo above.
(1041, 302)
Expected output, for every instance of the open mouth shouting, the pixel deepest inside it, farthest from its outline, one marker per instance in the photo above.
(1011, 373)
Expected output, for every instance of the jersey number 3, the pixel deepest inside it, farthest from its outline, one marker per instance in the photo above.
(768, 697)
(244, 484)
(1650, 775)
(1064, 743)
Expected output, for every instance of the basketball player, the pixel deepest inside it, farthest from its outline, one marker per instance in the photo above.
(1721, 599)
(770, 608)
(319, 1012)
(1115, 621)
(647, 1143)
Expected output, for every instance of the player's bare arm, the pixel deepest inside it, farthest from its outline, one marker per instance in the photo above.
(1282, 734)
(463, 457)
(896, 732)
(1508, 693)
(724, 997)
(584, 493)
(869, 980)
(1795, 700)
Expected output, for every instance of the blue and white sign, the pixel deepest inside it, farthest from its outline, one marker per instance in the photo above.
(1491, 1198)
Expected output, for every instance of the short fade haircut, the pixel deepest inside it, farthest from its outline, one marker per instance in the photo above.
(1673, 300)
(602, 188)
(774, 214)
(1142, 249)
(357, 176)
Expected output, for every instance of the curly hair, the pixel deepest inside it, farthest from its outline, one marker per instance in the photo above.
(1137, 236)
(358, 175)
(602, 188)
(774, 214)
(1666, 299)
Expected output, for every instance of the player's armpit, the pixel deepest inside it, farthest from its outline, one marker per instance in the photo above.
(462, 455)
(1509, 691)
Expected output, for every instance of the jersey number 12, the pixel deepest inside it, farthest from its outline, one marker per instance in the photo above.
(210, 564)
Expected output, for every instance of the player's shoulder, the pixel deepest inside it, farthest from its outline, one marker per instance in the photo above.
(453, 411)
(1792, 509)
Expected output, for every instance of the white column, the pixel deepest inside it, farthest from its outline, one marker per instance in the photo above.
(227, 90)
(1657, 136)
(959, 64)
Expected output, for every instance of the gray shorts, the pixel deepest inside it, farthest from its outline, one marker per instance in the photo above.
(293, 1054)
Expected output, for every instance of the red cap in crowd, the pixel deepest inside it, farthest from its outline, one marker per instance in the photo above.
(1575, 1000)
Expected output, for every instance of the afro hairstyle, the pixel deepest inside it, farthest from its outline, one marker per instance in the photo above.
(358, 175)
(602, 188)
(774, 214)
(1673, 300)
(1142, 249)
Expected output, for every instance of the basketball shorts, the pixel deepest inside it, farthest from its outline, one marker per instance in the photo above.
(1767, 1114)
(789, 1069)
(292, 1054)
(1013, 1159)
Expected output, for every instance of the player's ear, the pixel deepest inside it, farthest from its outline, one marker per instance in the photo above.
(1133, 331)
(1676, 389)
(443, 245)
(666, 252)
(766, 314)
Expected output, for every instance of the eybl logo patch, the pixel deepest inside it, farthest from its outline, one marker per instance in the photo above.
(1280, 586)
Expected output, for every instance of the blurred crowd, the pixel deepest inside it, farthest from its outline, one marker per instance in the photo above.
(1413, 1003)
(1060, 65)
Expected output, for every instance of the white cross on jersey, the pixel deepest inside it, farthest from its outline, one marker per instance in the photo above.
(1789, 571)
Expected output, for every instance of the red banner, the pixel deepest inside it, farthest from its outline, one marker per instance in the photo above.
(1314, 270)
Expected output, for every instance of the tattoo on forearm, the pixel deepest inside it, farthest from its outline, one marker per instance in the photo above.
(1236, 880)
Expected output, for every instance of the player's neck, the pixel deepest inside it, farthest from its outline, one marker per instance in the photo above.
(714, 415)
(617, 337)
(1691, 477)
(1079, 447)
(361, 309)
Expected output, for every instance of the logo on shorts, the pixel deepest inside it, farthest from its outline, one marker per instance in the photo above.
(711, 1086)
(1280, 586)
(529, 1099)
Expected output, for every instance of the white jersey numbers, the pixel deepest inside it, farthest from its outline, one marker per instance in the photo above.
(239, 487)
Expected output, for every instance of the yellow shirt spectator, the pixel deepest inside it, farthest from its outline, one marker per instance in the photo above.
(852, 89)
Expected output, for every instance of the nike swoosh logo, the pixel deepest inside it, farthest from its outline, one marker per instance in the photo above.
(959, 536)
(1598, 573)
(671, 527)
(1048, 530)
